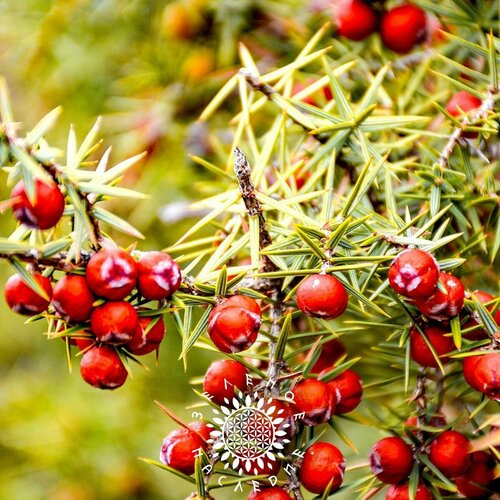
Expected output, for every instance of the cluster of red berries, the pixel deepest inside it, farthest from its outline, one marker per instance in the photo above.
(233, 324)
(312, 402)
(415, 275)
(401, 28)
(392, 460)
(96, 303)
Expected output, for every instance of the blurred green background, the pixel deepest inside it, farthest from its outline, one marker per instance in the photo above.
(148, 68)
(148, 76)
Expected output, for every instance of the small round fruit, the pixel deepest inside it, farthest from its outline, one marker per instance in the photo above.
(180, 21)
(449, 452)
(355, 19)
(46, 209)
(443, 306)
(322, 296)
(202, 429)
(233, 326)
(111, 273)
(148, 335)
(83, 342)
(483, 373)
(420, 351)
(402, 492)
(114, 322)
(462, 102)
(158, 275)
(481, 333)
(179, 450)
(391, 460)
(281, 411)
(403, 27)
(469, 370)
(223, 378)
(435, 421)
(331, 352)
(314, 399)
(101, 367)
(273, 493)
(244, 302)
(476, 481)
(323, 464)
(22, 299)
(72, 298)
(414, 274)
(347, 390)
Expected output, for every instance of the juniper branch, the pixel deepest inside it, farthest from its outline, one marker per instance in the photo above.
(488, 104)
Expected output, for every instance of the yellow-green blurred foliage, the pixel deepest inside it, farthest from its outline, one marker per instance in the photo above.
(136, 65)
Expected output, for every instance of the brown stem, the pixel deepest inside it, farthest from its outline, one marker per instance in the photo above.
(254, 209)
(269, 91)
(487, 106)
(420, 398)
(57, 261)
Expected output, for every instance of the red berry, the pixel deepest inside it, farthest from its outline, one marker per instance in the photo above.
(483, 373)
(46, 209)
(22, 299)
(481, 333)
(478, 477)
(449, 452)
(281, 411)
(435, 421)
(83, 343)
(222, 378)
(111, 273)
(179, 450)
(355, 19)
(147, 336)
(420, 351)
(322, 463)
(299, 87)
(391, 460)
(347, 390)
(273, 493)
(73, 299)
(402, 492)
(233, 326)
(114, 322)
(403, 27)
(159, 276)
(331, 352)
(469, 369)
(101, 367)
(414, 274)
(300, 177)
(462, 102)
(443, 306)
(322, 296)
(202, 429)
(313, 398)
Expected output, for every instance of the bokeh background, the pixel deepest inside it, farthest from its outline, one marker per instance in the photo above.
(147, 67)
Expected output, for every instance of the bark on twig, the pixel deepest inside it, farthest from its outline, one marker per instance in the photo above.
(486, 107)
